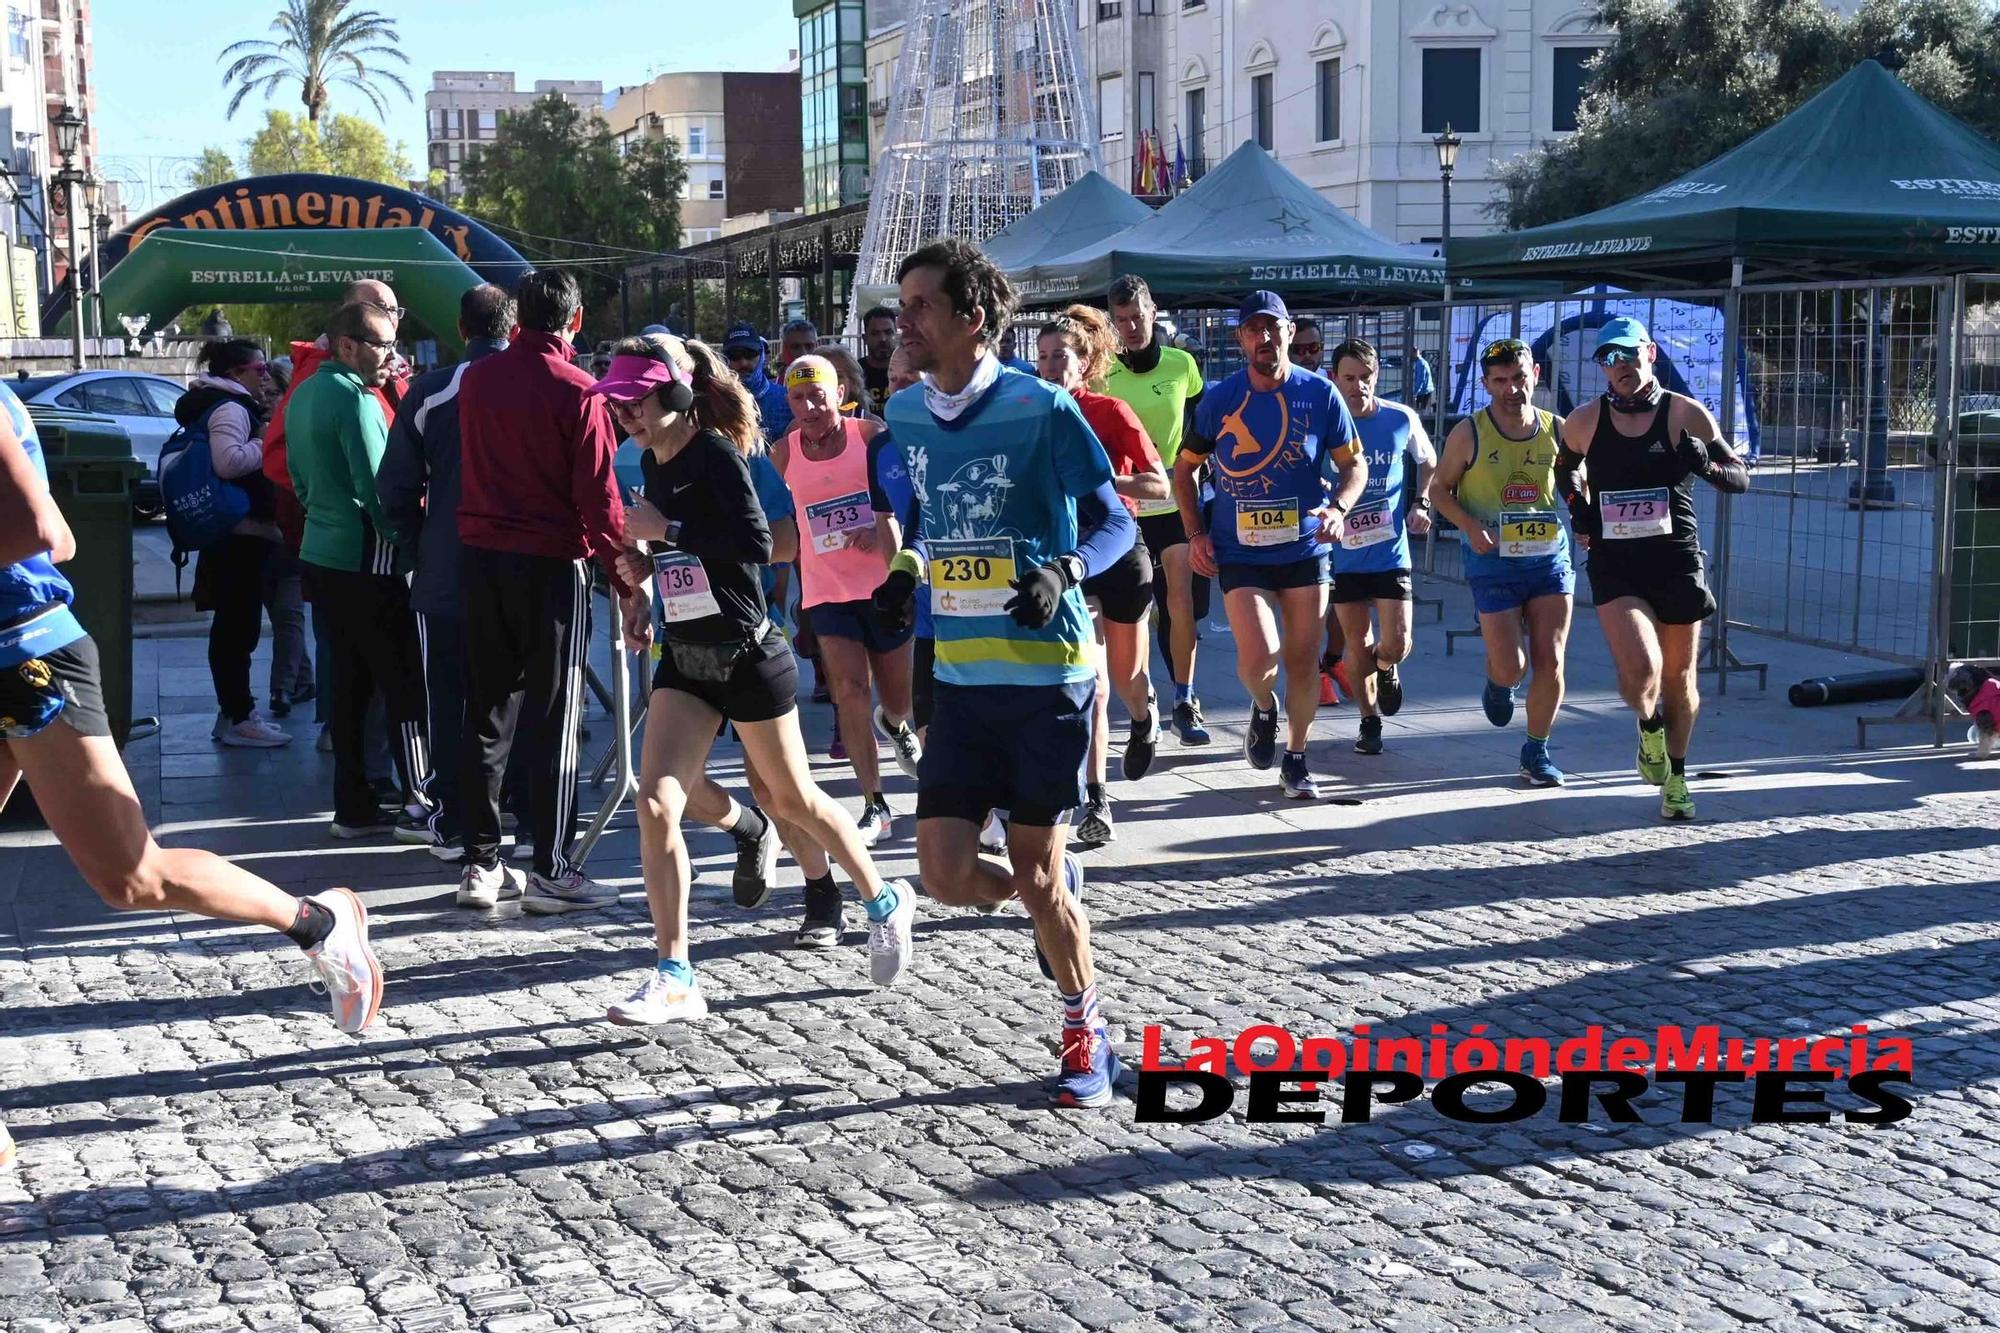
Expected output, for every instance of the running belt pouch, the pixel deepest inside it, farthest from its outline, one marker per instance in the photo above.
(709, 663)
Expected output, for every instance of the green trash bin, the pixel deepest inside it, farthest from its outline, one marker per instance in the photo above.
(91, 475)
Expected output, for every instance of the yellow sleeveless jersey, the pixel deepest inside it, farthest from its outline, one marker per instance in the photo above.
(1508, 473)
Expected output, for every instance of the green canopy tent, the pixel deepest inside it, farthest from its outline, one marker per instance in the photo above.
(1866, 179)
(1091, 210)
(1247, 224)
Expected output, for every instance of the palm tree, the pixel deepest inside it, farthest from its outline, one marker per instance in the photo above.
(320, 44)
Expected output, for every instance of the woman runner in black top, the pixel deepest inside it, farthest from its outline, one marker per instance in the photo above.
(1627, 468)
(722, 658)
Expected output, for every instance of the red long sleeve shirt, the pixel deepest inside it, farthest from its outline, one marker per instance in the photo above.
(535, 451)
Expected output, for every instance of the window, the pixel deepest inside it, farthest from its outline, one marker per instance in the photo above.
(489, 124)
(697, 145)
(1143, 114)
(1111, 106)
(1146, 6)
(437, 122)
(1571, 77)
(1110, 9)
(715, 187)
(1196, 118)
(116, 397)
(164, 397)
(1451, 90)
(1327, 86)
(1260, 110)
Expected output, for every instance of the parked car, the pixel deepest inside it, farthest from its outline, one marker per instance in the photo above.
(140, 403)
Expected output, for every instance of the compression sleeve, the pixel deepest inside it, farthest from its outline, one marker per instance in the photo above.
(1726, 472)
(1106, 529)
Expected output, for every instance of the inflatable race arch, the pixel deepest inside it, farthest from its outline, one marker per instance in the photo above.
(299, 237)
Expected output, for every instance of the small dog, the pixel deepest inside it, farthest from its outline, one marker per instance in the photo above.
(1978, 693)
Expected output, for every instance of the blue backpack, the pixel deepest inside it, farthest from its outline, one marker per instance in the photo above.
(202, 508)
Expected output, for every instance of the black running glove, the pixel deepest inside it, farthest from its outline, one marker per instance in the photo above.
(1694, 455)
(1036, 597)
(896, 600)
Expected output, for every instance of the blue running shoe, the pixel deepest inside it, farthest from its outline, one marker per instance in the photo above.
(1537, 767)
(1090, 1068)
(1188, 723)
(1498, 701)
(1260, 742)
(1072, 885)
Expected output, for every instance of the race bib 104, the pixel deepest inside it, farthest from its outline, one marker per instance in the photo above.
(1631, 514)
(685, 593)
(1530, 532)
(829, 522)
(1267, 524)
(971, 576)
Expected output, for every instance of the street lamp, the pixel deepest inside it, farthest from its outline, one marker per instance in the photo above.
(1447, 149)
(69, 134)
(93, 191)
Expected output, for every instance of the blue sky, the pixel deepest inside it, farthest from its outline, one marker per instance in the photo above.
(160, 97)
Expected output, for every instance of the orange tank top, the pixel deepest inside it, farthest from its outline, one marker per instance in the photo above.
(830, 498)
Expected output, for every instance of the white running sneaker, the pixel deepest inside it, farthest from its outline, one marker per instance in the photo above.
(903, 740)
(255, 731)
(572, 892)
(485, 887)
(876, 823)
(993, 837)
(345, 964)
(659, 999)
(889, 942)
(6, 1148)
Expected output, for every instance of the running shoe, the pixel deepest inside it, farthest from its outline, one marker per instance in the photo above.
(877, 822)
(1296, 780)
(824, 918)
(1073, 886)
(1090, 1068)
(371, 825)
(253, 732)
(413, 827)
(993, 835)
(1095, 829)
(822, 694)
(549, 895)
(1675, 803)
(447, 847)
(659, 999)
(1653, 766)
(836, 751)
(889, 942)
(521, 849)
(1143, 742)
(325, 742)
(486, 886)
(756, 862)
(1327, 695)
(1538, 768)
(6, 1148)
(346, 966)
(1188, 723)
(1498, 701)
(1260, 740)
(1370, 739)
(1389, 691)
(902, 738)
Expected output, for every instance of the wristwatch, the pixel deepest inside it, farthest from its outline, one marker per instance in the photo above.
(1071, 567)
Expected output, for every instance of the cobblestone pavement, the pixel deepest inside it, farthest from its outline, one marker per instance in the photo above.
(201, 1150)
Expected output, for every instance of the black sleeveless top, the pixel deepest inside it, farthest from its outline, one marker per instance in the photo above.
(1647, 462)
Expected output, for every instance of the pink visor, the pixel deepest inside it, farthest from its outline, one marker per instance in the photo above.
(633, 377)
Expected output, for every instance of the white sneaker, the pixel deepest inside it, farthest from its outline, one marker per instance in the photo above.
(993, 837)
(889, 942)
(484, 887)
(876, 822)
(255, 730)
(565, 893)
(903, 740)
(345, 964)
(659, 999)
(6, 1148)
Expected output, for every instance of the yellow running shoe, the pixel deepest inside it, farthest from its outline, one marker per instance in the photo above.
(1675, 803)
(1653, 755)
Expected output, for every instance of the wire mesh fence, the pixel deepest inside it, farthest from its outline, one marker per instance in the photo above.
(1972, 606)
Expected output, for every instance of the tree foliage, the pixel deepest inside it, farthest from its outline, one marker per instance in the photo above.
(555, 182)
(320, 43)
(1686, 80)
(214, 167)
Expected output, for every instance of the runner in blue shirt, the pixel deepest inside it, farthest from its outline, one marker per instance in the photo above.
(1371, 562)
(1279, 439)
(1017, 509)
(56, 732)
